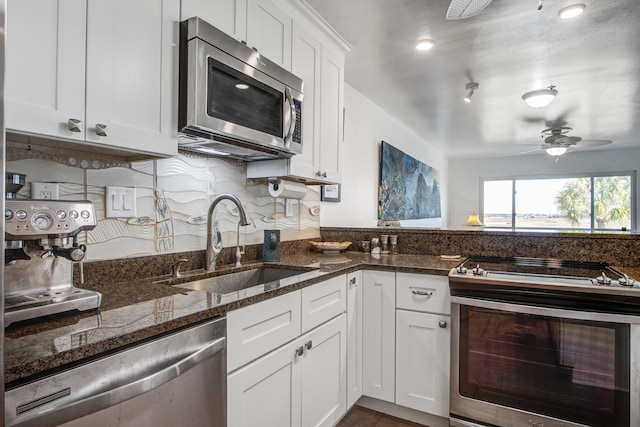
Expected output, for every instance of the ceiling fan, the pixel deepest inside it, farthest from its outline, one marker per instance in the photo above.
(557, 141)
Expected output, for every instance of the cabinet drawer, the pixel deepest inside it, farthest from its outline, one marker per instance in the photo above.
(259, 328)
(323, 301)
(423, 292)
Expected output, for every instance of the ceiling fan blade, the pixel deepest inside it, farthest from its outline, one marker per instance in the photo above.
(593, 142)
(531, 151)
(461, 9)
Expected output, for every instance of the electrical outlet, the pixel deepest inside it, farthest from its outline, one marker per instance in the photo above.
(45, 190)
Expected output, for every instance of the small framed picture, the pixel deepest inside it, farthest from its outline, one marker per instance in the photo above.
(330, 193)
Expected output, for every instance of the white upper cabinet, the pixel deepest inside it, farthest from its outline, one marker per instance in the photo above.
(45, 56)
(226, 15)
(269, 31)
(306, 63)
(331, 115)
(106, 75)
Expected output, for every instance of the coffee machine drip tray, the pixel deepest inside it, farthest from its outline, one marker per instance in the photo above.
(46, 302)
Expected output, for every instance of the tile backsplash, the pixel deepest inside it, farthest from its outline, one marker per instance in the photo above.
(172, 199)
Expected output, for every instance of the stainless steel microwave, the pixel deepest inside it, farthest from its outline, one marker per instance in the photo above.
(234, 102)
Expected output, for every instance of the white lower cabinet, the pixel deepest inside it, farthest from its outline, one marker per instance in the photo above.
(354, 337)
(422, 362)
(299, 384)
(378, 334)
(287, 359)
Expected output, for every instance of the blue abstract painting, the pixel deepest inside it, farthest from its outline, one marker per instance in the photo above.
(409, 189)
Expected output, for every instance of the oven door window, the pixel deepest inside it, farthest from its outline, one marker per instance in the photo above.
(574, 370)
(237, 98)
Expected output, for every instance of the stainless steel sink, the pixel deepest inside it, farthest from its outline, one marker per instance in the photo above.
(269, 276)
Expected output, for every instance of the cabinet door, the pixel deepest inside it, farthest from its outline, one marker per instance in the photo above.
(305, 63)
(45, 57)
(269, 31)
(331, 115)
(378, 334)
(324, 399)
(132, 54)
(266, 392)
(422, 362)
(354, 337)
(226, 15)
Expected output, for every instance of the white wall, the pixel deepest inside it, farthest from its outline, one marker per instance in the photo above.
(465, 174)
(366, 125)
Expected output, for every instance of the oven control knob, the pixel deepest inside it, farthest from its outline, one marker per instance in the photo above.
(461, 269)
(603, 279)
(477, 271)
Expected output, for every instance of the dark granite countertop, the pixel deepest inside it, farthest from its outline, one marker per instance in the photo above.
(133, 312)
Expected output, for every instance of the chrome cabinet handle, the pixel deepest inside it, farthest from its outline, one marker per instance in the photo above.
(101, 130)
(74, 125)
(422, 293)
(442, 323)
(300, 351)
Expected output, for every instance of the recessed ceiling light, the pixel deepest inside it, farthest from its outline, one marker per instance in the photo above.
(571, 11)
(540, 98)
(425, 44)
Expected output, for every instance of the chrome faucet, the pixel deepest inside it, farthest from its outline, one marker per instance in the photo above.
(214, 238)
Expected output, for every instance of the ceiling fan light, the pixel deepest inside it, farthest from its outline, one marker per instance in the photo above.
(471, 87)
(571, 11)
(425, 44)
(556, 151)
(467, 98)
(540, 98)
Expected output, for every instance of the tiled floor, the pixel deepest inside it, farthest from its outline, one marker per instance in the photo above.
(363, 417)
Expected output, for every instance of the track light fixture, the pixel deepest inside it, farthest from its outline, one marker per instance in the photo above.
(471, 87)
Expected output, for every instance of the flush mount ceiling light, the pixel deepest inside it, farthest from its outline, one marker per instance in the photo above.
(556, 151)
(571, 11)
(540, 98)
(425, 44)
(471, 87)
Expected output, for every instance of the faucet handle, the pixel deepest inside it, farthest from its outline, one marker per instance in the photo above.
(175, 268)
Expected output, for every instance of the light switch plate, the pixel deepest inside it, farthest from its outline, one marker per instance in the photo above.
(120, 202)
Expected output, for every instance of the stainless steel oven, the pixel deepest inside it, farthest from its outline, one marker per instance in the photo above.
(538, 343)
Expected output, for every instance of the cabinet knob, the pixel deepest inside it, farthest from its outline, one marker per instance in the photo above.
(74, 125)
(300, 351)
(353, 281)
(318, 173)
(101, 130)
(442, 323)
(324, 174)
(308, 345)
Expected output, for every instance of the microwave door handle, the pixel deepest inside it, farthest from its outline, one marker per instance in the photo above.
(292, 118)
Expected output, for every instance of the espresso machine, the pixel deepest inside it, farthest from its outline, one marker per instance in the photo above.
(41, 246)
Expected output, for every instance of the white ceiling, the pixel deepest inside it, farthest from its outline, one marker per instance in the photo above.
(509, 48)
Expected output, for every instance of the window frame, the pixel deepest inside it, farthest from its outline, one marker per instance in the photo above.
(591, 176)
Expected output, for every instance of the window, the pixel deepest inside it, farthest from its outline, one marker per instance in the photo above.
(585, 202)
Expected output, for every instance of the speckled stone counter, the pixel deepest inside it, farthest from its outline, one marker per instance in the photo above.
(139, 310)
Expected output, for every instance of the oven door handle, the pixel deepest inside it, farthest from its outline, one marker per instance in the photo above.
(545, 311)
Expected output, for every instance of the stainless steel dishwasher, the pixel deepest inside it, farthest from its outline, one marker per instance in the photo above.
(176, 380)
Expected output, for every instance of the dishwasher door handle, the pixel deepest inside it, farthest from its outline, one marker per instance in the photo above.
(68, 411)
